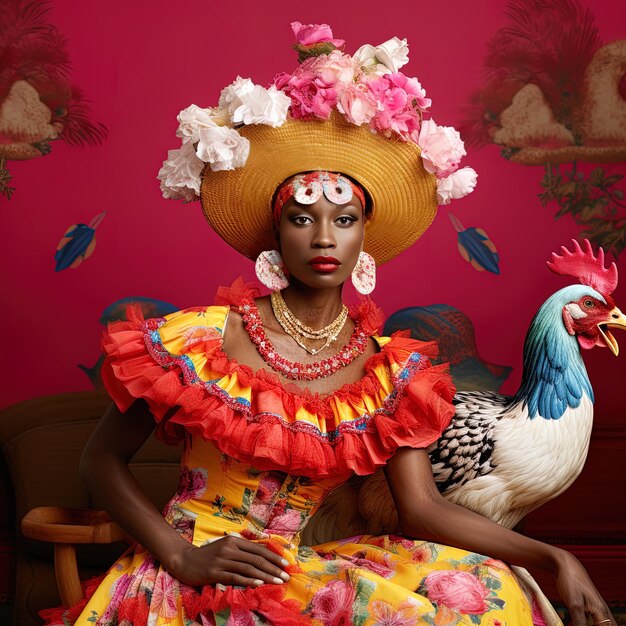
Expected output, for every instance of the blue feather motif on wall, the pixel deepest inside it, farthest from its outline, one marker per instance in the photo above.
(77, 244)
(476, 247)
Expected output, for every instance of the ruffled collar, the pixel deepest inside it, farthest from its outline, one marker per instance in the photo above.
(257, 418)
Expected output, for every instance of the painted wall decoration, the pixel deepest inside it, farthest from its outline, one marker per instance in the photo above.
(77, 244)
(453, 331)
(554, 96)
(39, 103)
(476, 248)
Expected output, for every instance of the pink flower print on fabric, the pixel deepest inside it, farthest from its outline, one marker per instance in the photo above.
(332, 605)
(268, 488)
(197, 336)
(164, 596)
(310, 34)
(191, 483)
(121, 586)
(286, 524)
(360, 559)
(386, 615)
(457, 590)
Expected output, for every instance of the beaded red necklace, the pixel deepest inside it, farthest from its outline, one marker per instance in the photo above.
(292, 369)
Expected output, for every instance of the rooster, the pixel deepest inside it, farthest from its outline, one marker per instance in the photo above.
(504, 456)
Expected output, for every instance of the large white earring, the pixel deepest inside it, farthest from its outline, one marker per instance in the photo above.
(364, 274)
(269, 268)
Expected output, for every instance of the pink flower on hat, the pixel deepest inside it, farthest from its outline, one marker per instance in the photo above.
(312, 94)
(457, 590)
(309, 34)
(357, 103)
(442, 148)
(398, 100)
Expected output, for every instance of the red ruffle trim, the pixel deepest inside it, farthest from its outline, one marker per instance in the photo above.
(413, 415)
(62, 616)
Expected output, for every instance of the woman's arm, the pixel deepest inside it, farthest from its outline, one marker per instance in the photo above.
(424, 513)
(104, 467)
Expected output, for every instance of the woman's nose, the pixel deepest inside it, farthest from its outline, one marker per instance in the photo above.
(323, 237)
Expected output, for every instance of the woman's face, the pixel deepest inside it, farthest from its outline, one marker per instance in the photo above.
(320, 242)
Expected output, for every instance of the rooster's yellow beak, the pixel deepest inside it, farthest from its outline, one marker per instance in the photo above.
(615, 319)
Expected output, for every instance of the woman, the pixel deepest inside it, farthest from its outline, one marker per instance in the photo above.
(280, 399)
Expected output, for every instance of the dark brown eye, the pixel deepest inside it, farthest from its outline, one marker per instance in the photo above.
(589, 304)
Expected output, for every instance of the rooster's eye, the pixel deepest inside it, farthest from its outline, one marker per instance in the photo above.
(589, 304)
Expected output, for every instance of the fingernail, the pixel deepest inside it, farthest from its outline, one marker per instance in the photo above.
(257, 583)
(285, 576)
(277, 581)
(284, 562)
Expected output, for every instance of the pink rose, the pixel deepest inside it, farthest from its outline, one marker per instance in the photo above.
(457, 590)
(312, 95)
(332, 604)
(400, 101)
(310, 34)
(335, 67)
(442, 148)
(357, 104)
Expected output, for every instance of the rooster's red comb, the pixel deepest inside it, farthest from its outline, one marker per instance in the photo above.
(589, 269)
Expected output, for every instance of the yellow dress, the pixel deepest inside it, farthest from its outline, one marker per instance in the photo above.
(258, 460)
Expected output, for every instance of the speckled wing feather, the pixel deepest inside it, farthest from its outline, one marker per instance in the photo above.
(465, 448)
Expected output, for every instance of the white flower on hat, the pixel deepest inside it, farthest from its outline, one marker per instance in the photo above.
(457, 185)
(262, 106)
(222, 148)
(386, 58)
(180, 174)
(231, 96)
(193, 118)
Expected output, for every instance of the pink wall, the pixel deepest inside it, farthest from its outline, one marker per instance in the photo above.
(140, 64)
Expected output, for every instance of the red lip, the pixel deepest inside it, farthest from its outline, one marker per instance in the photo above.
(324, 260)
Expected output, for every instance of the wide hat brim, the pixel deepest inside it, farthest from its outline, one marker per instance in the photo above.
(238, 203)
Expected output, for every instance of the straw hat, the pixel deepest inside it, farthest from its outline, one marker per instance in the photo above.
(238, 203)
(355, 115)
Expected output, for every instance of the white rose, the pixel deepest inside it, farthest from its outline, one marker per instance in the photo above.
(230, 98)
(262, 106)
(457, 185)
(191, 120)
(388, 57)
(223, 148)
(180, 174)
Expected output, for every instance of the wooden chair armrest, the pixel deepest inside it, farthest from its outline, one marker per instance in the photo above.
(65, 527)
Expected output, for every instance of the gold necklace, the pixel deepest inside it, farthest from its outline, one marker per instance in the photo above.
(299, 331)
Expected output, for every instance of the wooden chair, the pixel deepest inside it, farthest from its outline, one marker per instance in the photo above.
(66, 528)
(42, 441)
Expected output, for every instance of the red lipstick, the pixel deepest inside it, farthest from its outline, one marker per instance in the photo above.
(325, 264)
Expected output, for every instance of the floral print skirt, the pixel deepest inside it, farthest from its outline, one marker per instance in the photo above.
(366, 580)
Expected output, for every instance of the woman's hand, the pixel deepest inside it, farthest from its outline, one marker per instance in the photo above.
(229, 561)
(579, 593)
